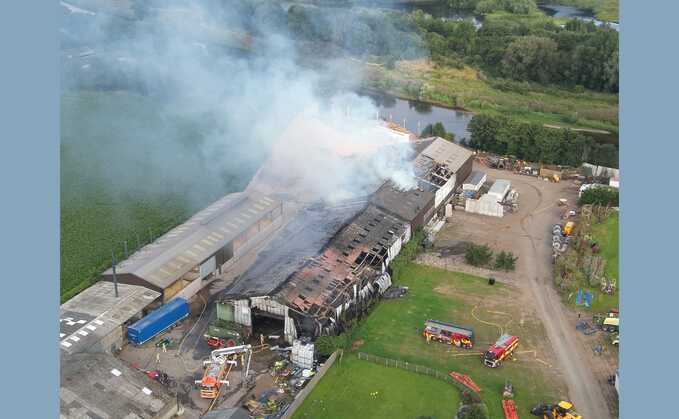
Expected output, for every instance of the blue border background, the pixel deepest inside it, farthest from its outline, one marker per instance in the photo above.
(29, 208)
(648, 160)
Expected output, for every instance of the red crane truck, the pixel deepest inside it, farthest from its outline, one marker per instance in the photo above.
(448, 333)
(500, 350)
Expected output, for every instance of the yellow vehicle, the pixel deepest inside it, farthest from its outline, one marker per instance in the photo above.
(568, 228)
(561, 410)
(611, 324)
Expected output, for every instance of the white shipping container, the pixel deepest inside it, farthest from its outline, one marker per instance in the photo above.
(499, 189)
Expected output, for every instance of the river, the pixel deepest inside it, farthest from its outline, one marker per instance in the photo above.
(574, 13)
(416, 115)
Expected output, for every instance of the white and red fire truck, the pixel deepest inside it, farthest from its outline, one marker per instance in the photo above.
(448, 333)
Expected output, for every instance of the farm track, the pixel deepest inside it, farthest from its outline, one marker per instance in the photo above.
(571, 358)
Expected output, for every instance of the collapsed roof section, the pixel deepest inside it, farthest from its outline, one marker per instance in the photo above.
(440, 160)
(305, 236)
(359, 252)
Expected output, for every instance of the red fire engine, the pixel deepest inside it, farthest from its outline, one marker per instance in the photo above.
(448, 333)
(500, 350)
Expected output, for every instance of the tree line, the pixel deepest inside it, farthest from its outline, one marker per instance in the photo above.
(577, 54)
(519, 44)
(536, 143)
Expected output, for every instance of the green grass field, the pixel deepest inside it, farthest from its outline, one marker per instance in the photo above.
(128, 173)
(346, 391)
(393, 330)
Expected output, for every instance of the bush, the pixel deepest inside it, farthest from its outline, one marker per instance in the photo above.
(475, 411)
(505, 261)
(326, 345)
(478, 255)
(600, 196)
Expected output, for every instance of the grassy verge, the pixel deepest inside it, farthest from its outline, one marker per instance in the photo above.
(354, 388)
(470, 89)
(606, 235)
(393, 330)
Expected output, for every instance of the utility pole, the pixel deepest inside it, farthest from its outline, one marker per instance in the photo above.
(125, 244)
(115, 278)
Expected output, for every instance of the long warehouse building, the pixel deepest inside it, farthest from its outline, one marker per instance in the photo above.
(187, 258)
(315, 288)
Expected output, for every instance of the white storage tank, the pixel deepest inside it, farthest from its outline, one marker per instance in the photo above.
(302, 354)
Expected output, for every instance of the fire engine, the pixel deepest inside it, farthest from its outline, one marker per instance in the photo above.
(500, 350)
(448, 333)
(217, 369)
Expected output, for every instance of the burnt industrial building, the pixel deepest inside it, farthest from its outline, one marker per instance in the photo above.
(313, 288)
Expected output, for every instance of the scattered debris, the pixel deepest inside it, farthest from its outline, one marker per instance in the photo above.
(395, 292)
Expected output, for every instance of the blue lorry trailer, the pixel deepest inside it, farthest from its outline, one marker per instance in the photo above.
(158, 321)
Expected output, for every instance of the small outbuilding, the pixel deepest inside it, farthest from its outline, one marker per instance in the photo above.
(474, 182)
(499, 190)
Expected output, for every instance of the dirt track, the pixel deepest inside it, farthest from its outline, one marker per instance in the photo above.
(527, 233)
(539, 215)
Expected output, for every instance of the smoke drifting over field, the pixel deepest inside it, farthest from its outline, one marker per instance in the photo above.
(217, 113)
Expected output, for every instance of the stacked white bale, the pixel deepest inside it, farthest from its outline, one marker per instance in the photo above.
(302, 354)
(486, 205)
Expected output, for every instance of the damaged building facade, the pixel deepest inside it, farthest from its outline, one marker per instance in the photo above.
(189, 257)
(319, 288)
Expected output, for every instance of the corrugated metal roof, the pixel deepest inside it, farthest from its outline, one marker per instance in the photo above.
(499, 187)
(475, 178)
(165, 260)
(447, 153)
(405, 204)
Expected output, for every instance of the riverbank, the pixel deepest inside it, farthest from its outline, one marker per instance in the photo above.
(469, 89)
(605, 10)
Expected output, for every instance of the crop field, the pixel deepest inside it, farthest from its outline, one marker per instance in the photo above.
(128, 173)
(393, 330)
(354, 388)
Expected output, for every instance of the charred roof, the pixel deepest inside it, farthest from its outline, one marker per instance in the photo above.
(406, 204)
(357, 252)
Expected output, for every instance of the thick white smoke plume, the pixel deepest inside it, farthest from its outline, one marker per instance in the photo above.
(220, 113)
